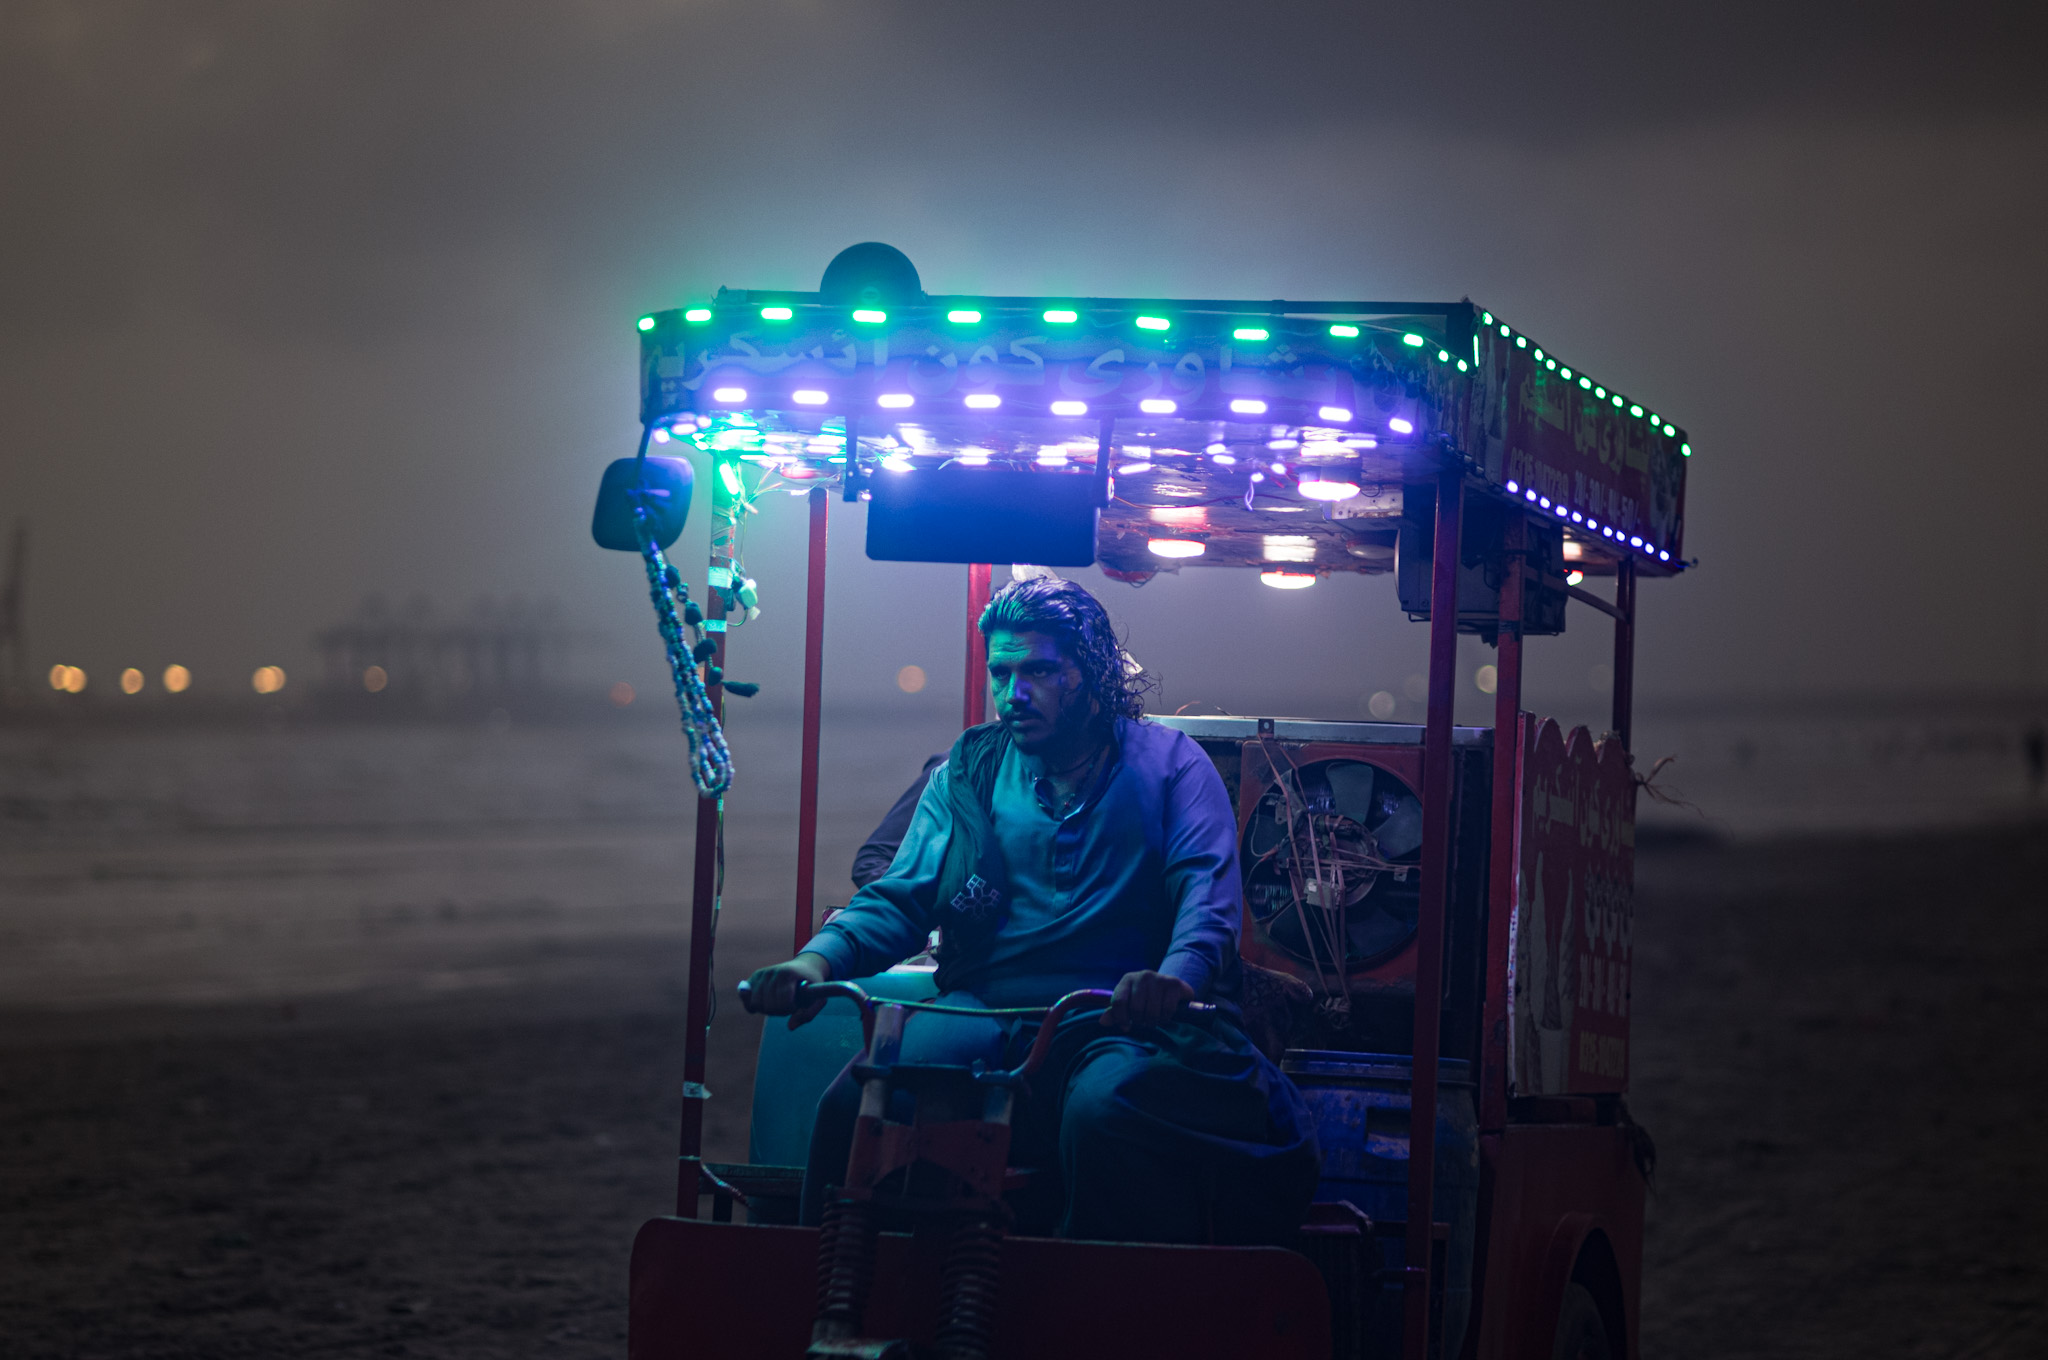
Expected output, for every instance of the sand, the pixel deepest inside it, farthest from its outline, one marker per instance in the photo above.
(367, 1042)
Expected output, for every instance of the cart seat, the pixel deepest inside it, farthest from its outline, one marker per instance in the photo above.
(795, 1066)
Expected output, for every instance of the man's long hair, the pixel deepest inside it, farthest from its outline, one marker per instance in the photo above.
(1068, 613)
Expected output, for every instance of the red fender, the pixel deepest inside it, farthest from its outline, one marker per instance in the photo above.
(1559, 1257)
(723, 1291)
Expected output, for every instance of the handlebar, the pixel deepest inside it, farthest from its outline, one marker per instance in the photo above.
(813, 991)
(1041, 1045)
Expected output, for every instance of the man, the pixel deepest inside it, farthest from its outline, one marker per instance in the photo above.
(1070, 845)
(878, 851)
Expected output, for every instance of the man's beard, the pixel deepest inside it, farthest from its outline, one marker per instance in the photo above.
(1068, 724)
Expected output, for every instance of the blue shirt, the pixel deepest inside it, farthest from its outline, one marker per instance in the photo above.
(1141, 873)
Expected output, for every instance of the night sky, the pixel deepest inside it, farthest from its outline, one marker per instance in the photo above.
(304, 301)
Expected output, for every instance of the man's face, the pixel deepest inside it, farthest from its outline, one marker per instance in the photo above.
(1039, 693)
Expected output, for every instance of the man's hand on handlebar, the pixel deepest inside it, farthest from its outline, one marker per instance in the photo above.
(1146, 998)
(772, 990)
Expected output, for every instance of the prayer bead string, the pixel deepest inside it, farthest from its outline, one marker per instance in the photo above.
(710, 759)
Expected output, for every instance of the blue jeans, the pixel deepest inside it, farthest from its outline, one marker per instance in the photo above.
(1183, 1133)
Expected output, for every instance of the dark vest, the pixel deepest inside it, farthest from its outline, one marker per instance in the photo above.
(973, 897)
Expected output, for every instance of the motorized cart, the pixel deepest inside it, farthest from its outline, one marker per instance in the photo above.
(1453, 903)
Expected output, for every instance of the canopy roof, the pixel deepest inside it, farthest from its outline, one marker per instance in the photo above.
(1273, 434)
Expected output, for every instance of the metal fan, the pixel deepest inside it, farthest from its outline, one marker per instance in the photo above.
(1332, 858)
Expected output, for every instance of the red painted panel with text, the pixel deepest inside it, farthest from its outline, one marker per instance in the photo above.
(1574, 891)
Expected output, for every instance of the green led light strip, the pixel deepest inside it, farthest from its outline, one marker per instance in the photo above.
(1152, 322)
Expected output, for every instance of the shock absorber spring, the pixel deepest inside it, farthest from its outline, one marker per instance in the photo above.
(846, 1269)
(969, 1290)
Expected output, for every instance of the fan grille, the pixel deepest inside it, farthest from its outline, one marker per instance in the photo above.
(1331, 866)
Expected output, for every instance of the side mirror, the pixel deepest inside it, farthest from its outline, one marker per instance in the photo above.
(666, 495)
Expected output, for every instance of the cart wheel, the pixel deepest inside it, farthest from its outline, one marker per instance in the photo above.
(1581, 1331)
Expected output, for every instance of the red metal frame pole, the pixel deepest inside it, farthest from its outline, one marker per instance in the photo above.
(814, 692)
(1429, 929)
(1507, 785)
(974, 707)
(704, 882)
(1625, 650)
